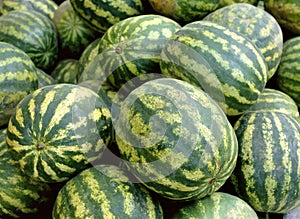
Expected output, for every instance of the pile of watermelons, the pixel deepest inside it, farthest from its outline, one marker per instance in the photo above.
(149, 109)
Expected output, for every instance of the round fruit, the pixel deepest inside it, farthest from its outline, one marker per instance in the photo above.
(224, 63)
(175, 139)
(267, 171)
(57, 130)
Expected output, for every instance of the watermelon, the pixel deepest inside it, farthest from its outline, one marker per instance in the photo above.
(19, 194)
(267, 171)
(224, 63)
(286, 12)
(184, 11)
(58, 130)
(130, 48)
(105, 191)
(288, 74)
(175, 139)
(18, 78)
(102, 14)
(66, 71)
(44, 78)
(73, 32)
(272, 100)
(32, 32)
(256, 24)
(218, 205)
(46, 7)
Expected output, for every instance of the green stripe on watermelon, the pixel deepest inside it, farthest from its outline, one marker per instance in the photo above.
(44, 78)
(33, 33)
(19, 194)
(18, 78)
(271, 100)
(288, 74)
(57, 130)
(46, 7)
(268, 167)
(74, 33)
(226, 64)
(66, 71)
(102, 14)
(216, 206)
(256, 24)
(88, 54)
(108, 193)
(184, 11)
(166, 134)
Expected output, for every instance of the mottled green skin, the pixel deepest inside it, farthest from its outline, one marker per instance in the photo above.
(44, 78)
(19, 194)
(131, 48)
(268, 167)
(219, 205)
(46, 7)
(271, 100)
(286, 12)
(88, 55)
(102, 14)
(288, 74)
(224, 63)
(256, 24)
(18, 78)
(104, 191)
(57, 130)
(66, 71)
(224, 3)
(185, 11)
(175, 139)
(32, 32)
(73, 32)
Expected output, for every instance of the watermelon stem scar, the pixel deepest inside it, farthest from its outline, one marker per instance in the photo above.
(40, 145)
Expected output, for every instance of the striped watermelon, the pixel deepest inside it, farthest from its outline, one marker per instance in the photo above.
(73, 32)
(66, 71)
(256, 24)
(102, 14)
(184, 10)
(19, 195)
(175, 139)
(131, 48)
(286, 12)
(102, 192)
(44, 78)
(57, 130)
(216, 206)
(271, 100)
(268, 167)
(288, 74)
(46, 7)
(18, 78)
(223, 62)
(32, 32)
